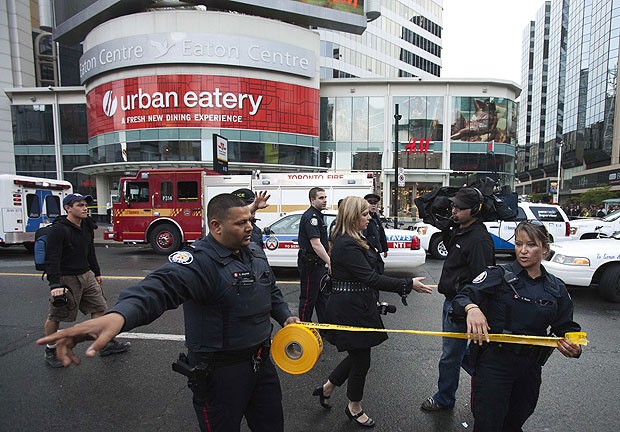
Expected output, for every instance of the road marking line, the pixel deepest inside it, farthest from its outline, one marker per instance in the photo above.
(152, 336)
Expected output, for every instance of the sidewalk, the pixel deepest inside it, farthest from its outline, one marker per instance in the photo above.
(99, 241)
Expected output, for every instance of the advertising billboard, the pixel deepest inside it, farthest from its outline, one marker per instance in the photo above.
(200, 101)
(74, 20)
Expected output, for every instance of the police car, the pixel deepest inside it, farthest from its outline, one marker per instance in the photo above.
(593, 227)
(281, 247)
(503, 232)
(588, 262)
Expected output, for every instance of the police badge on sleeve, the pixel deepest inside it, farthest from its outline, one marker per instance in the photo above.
(314, 221)
(181, 257)
(480, 278)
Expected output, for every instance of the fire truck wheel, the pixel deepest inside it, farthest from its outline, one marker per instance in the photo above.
(165, 239)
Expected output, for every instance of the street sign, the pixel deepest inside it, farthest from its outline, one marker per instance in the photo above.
(401, 177)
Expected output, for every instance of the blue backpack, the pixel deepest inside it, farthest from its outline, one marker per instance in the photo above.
(40, 246)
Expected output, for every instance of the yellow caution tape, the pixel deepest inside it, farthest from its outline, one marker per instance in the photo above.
(297, 347)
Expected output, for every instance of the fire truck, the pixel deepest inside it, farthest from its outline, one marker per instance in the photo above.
(168, 207)
(27, 204)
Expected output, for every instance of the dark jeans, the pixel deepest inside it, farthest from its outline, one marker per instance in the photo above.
(353, 368)
(452, 353)
(237, 390)
(505, 389)
(310, 274)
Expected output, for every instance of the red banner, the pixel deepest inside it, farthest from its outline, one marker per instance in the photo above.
(199, 101)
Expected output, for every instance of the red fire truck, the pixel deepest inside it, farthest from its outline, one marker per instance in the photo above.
(167, 207)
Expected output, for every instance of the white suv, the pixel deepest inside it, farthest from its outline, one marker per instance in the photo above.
(503, 232)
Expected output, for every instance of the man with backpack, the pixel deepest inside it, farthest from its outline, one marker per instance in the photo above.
(73, 273)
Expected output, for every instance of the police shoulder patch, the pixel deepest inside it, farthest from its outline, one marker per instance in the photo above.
(480, 278)
(181, 257)
(314, 221)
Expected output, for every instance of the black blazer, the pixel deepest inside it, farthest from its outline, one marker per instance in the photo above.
(351, 262)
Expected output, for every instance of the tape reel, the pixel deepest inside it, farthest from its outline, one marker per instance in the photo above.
(295, 349)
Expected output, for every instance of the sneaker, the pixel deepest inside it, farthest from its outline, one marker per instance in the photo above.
(51, 359)
(430, 405)
(114, 347)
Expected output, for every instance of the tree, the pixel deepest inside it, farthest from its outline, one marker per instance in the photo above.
(597, 195)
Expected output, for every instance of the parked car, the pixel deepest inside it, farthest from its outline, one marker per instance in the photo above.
(502, 232)
(595, 227)
(588, 262)
(281, 247)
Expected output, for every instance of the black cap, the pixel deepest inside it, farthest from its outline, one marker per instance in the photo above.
(71, 198)
(467, 198)
(245, 194)
(373, 197)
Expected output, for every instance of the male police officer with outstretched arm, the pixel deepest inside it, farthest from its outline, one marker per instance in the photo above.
(229, 294)
(313, 260)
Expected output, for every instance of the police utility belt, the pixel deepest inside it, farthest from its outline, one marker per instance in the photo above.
(309, 257)
(540, 354)
(345, 286)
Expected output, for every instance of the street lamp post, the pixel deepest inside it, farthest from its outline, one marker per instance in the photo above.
(557, 196)
(397, 117)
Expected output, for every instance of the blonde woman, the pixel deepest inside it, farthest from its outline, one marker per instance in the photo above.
(353, 302)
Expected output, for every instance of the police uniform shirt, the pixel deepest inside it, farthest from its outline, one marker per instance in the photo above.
(227, 298)
(312, 226)
(542, 302)
(257, 235)
(375, 234)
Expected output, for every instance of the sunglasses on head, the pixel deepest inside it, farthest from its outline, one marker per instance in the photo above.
(535, 222)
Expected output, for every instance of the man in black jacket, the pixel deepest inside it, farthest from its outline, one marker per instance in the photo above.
(73, 273)
(470, 251)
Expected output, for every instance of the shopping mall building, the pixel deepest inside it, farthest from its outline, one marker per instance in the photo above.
(157, 86)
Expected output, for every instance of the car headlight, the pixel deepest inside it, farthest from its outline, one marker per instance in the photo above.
(422, 230)
(570, 260)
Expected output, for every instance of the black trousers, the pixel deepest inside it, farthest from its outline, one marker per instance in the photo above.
(353, 368)
(236, 391)
(505, 389)
(310, 274)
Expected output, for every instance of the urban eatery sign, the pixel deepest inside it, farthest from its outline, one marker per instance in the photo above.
(199, 101)
(197, 48)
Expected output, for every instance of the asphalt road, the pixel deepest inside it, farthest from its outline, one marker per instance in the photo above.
(137, 391)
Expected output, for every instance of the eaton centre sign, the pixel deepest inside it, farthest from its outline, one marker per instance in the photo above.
(198, 48)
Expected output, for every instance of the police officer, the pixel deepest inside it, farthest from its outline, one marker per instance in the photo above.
(470, 251)
(255, 202)
(313, 260)
(375, 233)
(520, 298)
(229, 296)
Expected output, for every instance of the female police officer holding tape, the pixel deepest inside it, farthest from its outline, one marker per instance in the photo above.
(520, 298)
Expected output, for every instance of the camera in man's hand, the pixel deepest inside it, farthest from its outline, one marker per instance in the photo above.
(60, 300)
(385, 308)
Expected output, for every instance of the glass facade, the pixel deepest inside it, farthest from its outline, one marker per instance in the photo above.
(34, 143)
(405, 41)
(573, 100)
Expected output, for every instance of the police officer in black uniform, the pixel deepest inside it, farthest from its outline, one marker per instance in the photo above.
(229, 296)
(520, 298)
(313, 260)
(251, 200)
(375, 233)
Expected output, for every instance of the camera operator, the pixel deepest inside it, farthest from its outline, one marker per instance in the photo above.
(470, 251)
(73, 273)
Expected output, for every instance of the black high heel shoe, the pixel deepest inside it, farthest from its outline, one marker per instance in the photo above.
(319, 392)
(368, 423)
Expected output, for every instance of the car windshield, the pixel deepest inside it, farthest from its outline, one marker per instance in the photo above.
(612, 216)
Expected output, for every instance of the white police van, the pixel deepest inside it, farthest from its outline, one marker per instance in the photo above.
(503, 232)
